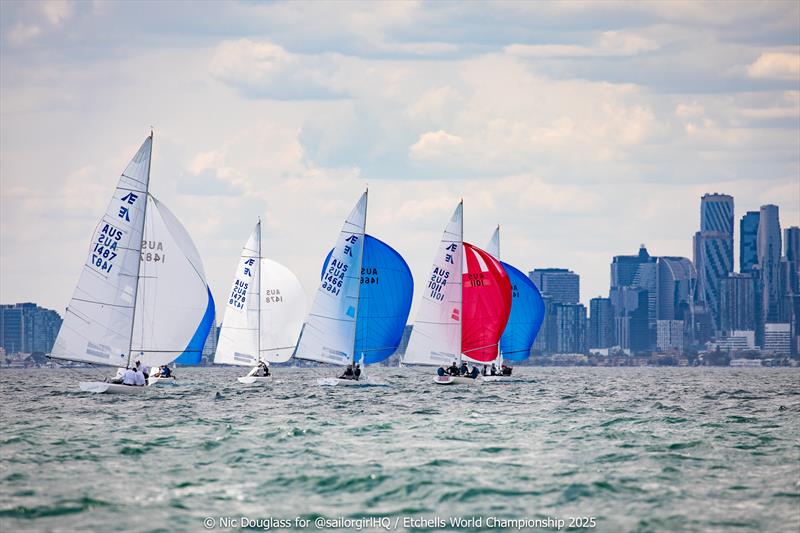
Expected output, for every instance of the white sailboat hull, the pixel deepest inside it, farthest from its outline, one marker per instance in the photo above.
(498, 379)
(455, 380)
(103, 387)
(159, 381)
(339, 382)
(254, 380)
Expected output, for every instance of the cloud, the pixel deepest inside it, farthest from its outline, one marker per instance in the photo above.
(608, 43)
(776, 65)
(436, 144)
(261, 69)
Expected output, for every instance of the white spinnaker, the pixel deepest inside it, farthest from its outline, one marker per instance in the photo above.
(238, 337)
(436, 336)
(283, 307)
(98, 322)
(173, 294)
(328, 335)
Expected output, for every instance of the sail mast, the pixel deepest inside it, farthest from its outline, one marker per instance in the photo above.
(499, 352)
(139, 261)
(358, 273)
(461, 281)
(258, 293)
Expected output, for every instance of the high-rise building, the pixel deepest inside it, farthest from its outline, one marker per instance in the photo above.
(713, 246)
(633, 296)
(28, 328)
(560, 284)
(570, 320)
(737, 303)
(748, 241)
(769, 262)
(777, 338)
(601, 323)
(716, 214)
(631, 323)
(670, 335)
(676, 283)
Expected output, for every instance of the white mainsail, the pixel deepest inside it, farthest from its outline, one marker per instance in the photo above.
(494, 243)
(264, 327)
(98, 322)
(174, 307)
(152, 304)
(328, 335)
(436, 336)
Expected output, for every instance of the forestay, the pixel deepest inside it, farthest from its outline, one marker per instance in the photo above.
(98, 323)
(436, 336)
(328, 336)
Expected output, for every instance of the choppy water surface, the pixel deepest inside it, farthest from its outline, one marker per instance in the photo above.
(638, 449)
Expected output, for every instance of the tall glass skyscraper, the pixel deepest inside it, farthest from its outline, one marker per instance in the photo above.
(748, 242)
(714, 249)
(560, 284)
(769, 259)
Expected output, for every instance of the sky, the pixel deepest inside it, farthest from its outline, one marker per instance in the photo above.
(583, 128)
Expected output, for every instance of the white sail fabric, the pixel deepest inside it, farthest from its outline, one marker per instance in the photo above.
(494, 243)
(238, 337)
(174, 306)
(283, 307)
(328, 335)
(98, 322)
(436, 336)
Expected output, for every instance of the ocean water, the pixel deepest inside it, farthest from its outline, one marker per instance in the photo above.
(633, 449)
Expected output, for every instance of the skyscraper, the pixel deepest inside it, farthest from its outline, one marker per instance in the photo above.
(560, 284)
(633, 296)
(748, 241)
(714, 249)
(601, 323)
(570, 320)
(716, 214)
(737, 303)
(27, 328)
(676, 282)
(769, 260)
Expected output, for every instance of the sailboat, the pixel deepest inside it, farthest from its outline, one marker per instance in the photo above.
(142, 294)
(525, 319)
(264, 313)
(362, 302)
(464, 307)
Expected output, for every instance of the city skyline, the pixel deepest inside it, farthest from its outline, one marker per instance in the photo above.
(584, 134)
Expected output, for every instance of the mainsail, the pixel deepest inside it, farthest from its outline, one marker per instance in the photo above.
(527, 309)
(487, 304)
(329, 332)
(142, 293)
(260, 327)
(98, 322)
(384, 301)
(436, 336)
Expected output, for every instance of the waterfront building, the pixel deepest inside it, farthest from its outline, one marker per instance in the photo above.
(601, 323)
(777, 338)
(748, 241)
(28, 328)
(570, 328)
(670, 335)
(736, 341)
(737, 303)
(560, 284)
(769, 258)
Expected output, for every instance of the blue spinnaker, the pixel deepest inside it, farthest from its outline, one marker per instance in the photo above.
(384, 301)
(527, 313)
(193, 353)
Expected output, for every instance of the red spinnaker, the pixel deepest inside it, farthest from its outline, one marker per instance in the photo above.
(486, 293)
